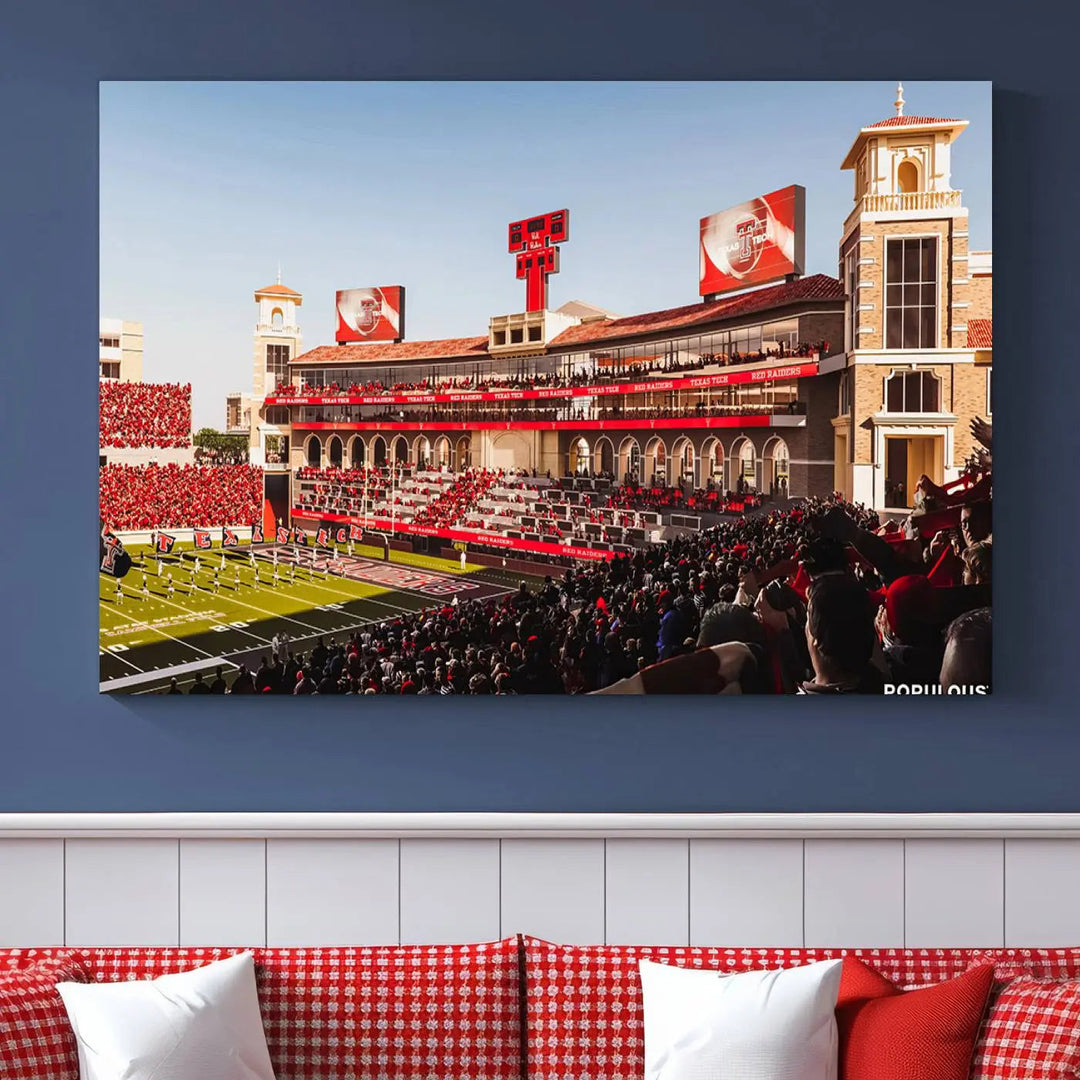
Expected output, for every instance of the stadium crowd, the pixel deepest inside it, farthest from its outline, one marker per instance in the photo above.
(594, 375)
(179, 496)
(820, 598)
(451, 505)
(144, 414)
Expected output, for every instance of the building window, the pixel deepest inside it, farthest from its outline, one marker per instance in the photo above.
(110, 369)
(853, 297)
(277, 414)
(277, 365)
(109, 342)
(911, 293)
(845, 393)
(913, 392)
(277, 320)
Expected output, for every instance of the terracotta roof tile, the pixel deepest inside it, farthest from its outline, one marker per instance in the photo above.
(912, 121)
(277, 290)
(390, 352)
(980, 333)
(815, 287)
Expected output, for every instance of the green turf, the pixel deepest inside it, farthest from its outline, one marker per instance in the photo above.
(158, 631)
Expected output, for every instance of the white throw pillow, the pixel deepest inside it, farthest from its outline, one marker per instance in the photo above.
(756, 1025)
(197, 1025)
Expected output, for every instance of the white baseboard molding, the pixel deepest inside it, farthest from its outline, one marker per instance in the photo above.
(233, 825)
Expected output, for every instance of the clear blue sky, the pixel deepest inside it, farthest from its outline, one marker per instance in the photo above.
(207, 187)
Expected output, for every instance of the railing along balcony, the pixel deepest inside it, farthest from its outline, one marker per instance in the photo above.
(895, 202)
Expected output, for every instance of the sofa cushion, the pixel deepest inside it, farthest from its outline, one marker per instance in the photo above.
(408, 1012)
(583, 1002)
(927, 1033)
(752, 1025)
(36, 1038)
(173, 1027)
(1033, 963)
(1031, 1033)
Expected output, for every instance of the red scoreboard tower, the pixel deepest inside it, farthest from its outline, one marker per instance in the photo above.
(534, 241)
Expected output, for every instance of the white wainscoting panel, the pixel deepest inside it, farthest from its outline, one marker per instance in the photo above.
(1042, 892)
(746, 892)
(222, 892)
(954, 893)
(923, 881)
(554, 889)
(122, 892)
(31, 892)
(647, 892)
(332, 892)
(449, 891)
(854, 893)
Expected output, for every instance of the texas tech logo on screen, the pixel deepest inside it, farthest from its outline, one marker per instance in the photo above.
(371, 314)
(760, 240)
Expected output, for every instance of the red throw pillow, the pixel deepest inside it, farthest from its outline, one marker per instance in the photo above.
(1032, 1032)
(891, 1034)
(36, 1038)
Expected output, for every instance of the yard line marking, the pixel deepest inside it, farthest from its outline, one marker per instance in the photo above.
(154, 630)
(122, 659)
(202, 617)
(252, 607)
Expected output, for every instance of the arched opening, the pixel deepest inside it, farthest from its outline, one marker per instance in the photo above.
(907, 176)
(356, 452)
(777, 470)
(443, 452)
(630, 460)
(744, 464)
(682, 454)
(579, 457)
(378, 451)
(464, 453)
(656, 462)
(422, 452)
(400, 450)
(277, 319)
(604, 455)
(711, 464)
(313, 451)
(334, 451)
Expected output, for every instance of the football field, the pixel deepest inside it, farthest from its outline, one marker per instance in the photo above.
(172, 616)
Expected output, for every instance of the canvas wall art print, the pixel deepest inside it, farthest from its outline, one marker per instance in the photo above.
(691, 395)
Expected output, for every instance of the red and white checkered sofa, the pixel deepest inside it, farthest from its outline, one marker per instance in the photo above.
(584, 1020)
(527, 1009)
(438, 1012)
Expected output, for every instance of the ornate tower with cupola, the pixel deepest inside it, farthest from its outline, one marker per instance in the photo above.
(904, 263)
(277, 341)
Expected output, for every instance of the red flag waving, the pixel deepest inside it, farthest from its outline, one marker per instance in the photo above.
(283, 535)
(202, 539)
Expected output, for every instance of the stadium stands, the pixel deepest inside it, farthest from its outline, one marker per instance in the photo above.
(144, 414)
(179, 496)
(850, 579)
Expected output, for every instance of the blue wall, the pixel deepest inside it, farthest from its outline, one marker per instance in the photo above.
(64, 748)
